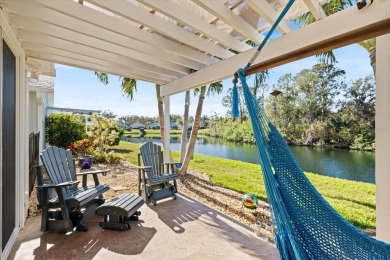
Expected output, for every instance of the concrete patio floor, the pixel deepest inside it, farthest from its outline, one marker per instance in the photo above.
(174, 229)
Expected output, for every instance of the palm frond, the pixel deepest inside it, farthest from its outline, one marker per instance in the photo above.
(327, 57)
(215, 88)
(368, 44)
(129, 87)
(196, 91)
(260, 79)
(331, 7)
(102, 77)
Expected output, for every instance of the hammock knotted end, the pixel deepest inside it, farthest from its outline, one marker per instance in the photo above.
(235, 100)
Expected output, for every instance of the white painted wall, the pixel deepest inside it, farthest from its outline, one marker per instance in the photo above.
(22, 127)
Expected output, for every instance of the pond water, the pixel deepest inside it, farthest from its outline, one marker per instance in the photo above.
(339, 163)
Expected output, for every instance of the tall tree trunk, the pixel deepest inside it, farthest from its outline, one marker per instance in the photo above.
(160, 112)
(372, 52)
(194, 132)
(185, 126)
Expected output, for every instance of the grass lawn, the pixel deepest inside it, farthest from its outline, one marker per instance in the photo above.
(354, 200)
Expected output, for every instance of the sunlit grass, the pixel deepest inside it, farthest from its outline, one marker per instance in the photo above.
(354, 200)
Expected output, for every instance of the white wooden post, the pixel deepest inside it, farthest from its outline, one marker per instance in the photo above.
(167, 129)
(382, 138)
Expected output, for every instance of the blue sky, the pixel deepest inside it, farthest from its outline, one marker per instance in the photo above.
(79, 88)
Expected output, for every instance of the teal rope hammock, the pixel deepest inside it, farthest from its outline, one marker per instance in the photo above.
(307, 227)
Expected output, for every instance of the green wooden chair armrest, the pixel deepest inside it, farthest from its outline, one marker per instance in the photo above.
(170, 163)
(143, 167)
(62, 184)
(94, 174)
(104, 172)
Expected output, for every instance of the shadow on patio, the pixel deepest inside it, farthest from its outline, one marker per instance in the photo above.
(174, 229)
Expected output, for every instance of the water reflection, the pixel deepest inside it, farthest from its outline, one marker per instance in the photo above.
(345, 164)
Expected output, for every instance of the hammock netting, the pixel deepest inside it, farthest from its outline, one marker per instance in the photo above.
(306, 226)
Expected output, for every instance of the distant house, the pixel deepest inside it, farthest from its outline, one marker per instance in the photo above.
(137, 126)
(174, 126)
(189, 127)
(123, 125)
(157, 126)
(154, 126)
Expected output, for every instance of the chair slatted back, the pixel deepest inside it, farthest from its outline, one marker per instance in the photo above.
(59, 164)
(152, 156)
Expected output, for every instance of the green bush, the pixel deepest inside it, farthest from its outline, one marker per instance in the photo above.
(110, 158)
(64, 129)
(105, 131)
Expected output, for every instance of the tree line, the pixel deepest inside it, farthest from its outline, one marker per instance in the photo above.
(316, 107)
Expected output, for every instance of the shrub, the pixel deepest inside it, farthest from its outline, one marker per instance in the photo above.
(110, 158)
(64, 129)
(81, 147)
(105, 131)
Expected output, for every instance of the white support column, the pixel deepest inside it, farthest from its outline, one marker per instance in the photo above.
(167, 127)
(2, 255)
(382, 133)
(23, 140)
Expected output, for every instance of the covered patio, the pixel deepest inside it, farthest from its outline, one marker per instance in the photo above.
(175, 229)
(178, 45)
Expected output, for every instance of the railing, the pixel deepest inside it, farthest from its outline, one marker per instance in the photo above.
(33, 158)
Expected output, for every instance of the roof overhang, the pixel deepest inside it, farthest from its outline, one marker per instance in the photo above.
(163, 42)
(312, 39)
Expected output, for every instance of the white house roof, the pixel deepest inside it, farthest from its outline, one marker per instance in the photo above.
(163, 41)
(137, 125)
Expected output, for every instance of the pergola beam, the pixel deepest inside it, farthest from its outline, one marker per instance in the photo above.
(89, 66)
(193, 20)
(357, 26)
(265, 10)
(46, 40)
(62, 33)
(223, 13)
(315, 8)
(34, 11)
(51, 50)
(140, 15)
(89, 15)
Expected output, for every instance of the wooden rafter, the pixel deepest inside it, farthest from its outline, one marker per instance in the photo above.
(315, 8)
(121, 27)
(265, 10)
(223, 13)
(374, 21)
(140, 15)
(193, 20)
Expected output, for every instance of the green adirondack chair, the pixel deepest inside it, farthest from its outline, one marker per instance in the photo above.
(155, 182)
(74, 205)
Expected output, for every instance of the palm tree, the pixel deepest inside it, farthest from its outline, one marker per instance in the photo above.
(128, 86)
(370, 46)
(333, 7)
(214, 88)
(260, 77)
(160, 113)
(185, 126)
